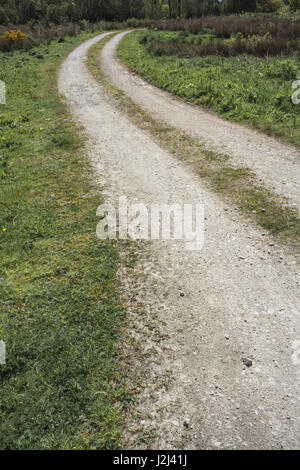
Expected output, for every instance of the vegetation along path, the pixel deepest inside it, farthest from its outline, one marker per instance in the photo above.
(236, 298)
(276, 163)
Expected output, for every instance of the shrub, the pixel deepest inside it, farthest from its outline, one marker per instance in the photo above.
(13, 35)
(14, 39)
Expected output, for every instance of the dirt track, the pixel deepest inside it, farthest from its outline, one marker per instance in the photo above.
(240, 294)
(276, 163)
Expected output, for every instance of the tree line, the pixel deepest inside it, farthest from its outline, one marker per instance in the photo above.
(60, 11)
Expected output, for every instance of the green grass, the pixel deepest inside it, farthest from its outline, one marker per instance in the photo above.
(239, 186)
(242, 89)
(63, 385)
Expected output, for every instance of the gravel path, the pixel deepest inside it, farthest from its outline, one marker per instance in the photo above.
(237, 297)
(276, 163)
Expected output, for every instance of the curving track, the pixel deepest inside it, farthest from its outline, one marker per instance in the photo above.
(276, 163)
(241, 296)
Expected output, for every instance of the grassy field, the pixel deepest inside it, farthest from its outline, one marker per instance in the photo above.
(62, 386)
(242, 88)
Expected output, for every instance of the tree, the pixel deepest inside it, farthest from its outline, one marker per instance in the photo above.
(295, 5)
(239, 6)
(3, 16)
(179, 5)
(60, 11)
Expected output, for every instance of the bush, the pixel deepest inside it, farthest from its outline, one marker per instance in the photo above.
(13, 35)
(14, 39)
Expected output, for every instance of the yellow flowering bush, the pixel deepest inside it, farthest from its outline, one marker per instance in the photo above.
(14, 39)
(13, 35)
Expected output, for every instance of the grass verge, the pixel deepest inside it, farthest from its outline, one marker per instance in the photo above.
(240, 186)
(63, 384)
(247, 89)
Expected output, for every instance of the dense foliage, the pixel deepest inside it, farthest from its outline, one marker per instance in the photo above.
(57, 11)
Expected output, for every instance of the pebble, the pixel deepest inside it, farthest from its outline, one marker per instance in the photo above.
(186, 422)
(247, 362)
